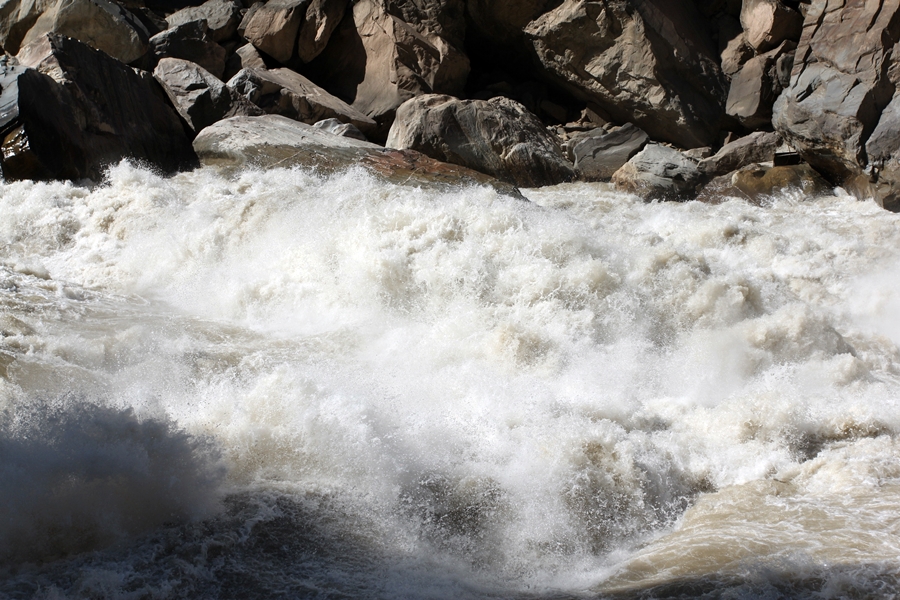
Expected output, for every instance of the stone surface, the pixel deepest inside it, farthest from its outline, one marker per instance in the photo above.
(275, 141)
(79, 110)
(498, 137)
(659, 173)
(98, 23)
(321, 19)
(287, 93)
(758, 83)
(335, 127)
(767, 23)
(839, 83)
(648, 62)
(736, 53)
(599, 154)
(245, 57)
(221, 16)
(199, 97)
(273, 27)
(762, 183)
(755, 148)
(191, 42)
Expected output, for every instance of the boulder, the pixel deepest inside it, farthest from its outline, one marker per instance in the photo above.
(736, 53)
(98, 23)
(755, 148)
(199, 96)
(335, 127)
(659, 173)
(498, 137)
(761, 183)
(284, 92)
(599, 154)
(322, 17)
(276, 141)
(222, 17)
(839, 84)
(768, 23)
(758, 83)
(192, 42)
(245, 57)
(273, 27)
(78, 110)
(648, 62)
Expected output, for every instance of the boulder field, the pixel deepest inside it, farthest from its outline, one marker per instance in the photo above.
(666, 99)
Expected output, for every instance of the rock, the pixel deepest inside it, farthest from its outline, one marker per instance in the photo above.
(376, 61)
(599, 154)
(698, 153)
(498, 137)
(193, 43)
(322, 17)
(755, 148)
(759, 183)
(756, 86)
(659, 172)
(221, 16)
(275, 141)
(503, 21)
(245, 57)
(839, 84)
(98, 23)
(79, 110)
(200, 97)
(736, 53)
(648, 62)
(284, 92)
(273, 27)
(335, 127)
(767, 23)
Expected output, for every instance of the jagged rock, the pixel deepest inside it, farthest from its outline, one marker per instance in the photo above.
(839, 84)
(192, 42)
(273, 27)
(276, 141)
(759, 183)
(659, 172)
(335, 127)
(322, 17)
(287, 93)
(78, 110)
(245, 57)
(221, 16)
(755, 148)
(759, 82)
(599, 154)
(98, 23)
(498, 137)
(737, 52)
(376, 61)
(648, 62)
(444, 18)
(199, 96)
(767, 23)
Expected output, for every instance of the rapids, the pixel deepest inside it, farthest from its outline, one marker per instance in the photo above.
(279, 384)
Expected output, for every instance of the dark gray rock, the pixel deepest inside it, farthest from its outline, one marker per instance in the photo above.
(221, 16)
(498, 137)
(600, 154)
(192, 42)
(755, 148)
(335, 127)
(78, 110)
(659, 173)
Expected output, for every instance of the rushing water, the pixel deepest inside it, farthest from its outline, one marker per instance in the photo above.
(275, 384)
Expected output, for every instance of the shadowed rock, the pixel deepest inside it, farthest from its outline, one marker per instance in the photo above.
(221, 16)
(758, 83)
(190, 41)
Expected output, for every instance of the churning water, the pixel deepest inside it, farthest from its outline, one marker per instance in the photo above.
(276, 384)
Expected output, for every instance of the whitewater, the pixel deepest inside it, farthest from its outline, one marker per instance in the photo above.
(268, 384)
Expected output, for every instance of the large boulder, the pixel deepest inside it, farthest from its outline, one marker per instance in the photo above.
(322, 17)
(276, 141)
(287, 93)
(659, 173)
(199, 96)
(758, 83)
(839, 83)
(76, 110)
(273, 27)
(649, 62)
(601, 153)
(222, 17)
(759, 184)
(498, 137)
(768, 23)
(191, 41)
(757, 147)
(98, 23)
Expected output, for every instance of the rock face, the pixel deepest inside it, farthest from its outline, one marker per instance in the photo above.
(839, 83)
(284, 92)
(755, 148)
(275, 141)
(198, 96)
(767, 23)
(192, 42)
(273, 27)
(498, 137)
(322, 17)
(758, 83)
(659, 173)
(222, 17)
(599, 155)
(79, 110)
(649, 62)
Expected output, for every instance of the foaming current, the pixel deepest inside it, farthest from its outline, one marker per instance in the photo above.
(279, 383)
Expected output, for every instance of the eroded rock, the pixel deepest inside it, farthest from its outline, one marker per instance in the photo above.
(659, 173)
(222, 17)
(757, 147)
(599, 154)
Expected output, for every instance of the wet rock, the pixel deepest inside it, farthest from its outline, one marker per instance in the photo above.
(648, 62)
(498, 137)
(335, 127)
(78, 110)
(199, 96)
(273, 27)
(758, 83)
(768, 23)
(222, 17)
(599, 154)
(659, 173)
(287, 93)
(755, 148)
(760, 183)
(275, 141)
(98, 23)
(192, 42)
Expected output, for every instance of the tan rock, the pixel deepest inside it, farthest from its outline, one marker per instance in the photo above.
(273, 27)
(768, 23)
